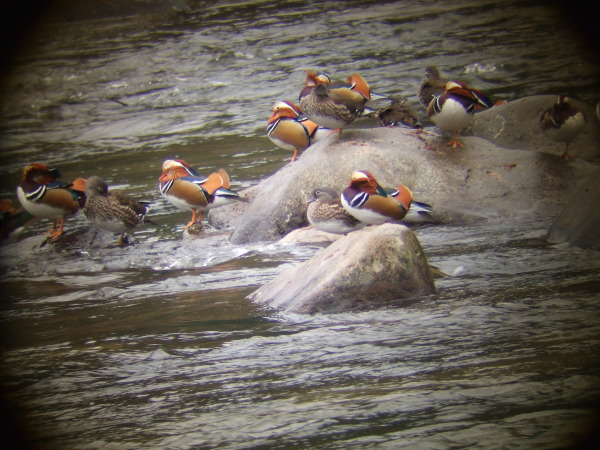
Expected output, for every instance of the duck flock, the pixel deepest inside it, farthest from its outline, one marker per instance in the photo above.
(324, 107)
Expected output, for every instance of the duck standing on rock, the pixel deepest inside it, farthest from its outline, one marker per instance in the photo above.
(289, 129)
(42, 195)
(326, 213)
(112, 211)
(563, 122)
(371, 204)
(334, 105)
(453, 109)
(185, 189)
(431, 86)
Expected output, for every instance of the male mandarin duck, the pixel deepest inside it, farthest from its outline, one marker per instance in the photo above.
(431, 86)
(400, 112)
(184, 188)
(290, 129)
(563, 122)
(112, 211)
(334, 105)
(454, 108)
(371, 204)
(43, 196)
(325, 212)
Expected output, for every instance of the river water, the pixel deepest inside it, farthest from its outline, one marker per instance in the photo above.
(155, 346)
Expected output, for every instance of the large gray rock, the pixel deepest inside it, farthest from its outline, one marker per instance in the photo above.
(368, 267)
(579, 222)
(516, 125)
(481, 180)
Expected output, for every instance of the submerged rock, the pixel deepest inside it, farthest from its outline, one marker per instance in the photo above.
(579, 222)
(309, 235)
(479, 181)
(368, 267)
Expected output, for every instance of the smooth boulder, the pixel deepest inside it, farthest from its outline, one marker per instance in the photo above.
(578, 224)
(368, 267)
(480, 181)
(516, 125)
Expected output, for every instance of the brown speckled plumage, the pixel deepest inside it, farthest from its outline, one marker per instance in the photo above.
(400, 112)
(325, 212)
(112, 211)
(431, 86)
(334, 105)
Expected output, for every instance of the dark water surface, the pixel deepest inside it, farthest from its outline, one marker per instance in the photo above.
(155, 346)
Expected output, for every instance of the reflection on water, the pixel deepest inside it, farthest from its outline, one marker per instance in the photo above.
(154, 345)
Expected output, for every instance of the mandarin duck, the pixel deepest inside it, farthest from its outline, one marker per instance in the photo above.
(431, 86)
(453, 110)
(112, 211)
(291, 130)
(44, 196)
(563, 122)
(400, 112)
(11, 218)
(325, 212)
(185, 189)
(371, 204)
(333, 105)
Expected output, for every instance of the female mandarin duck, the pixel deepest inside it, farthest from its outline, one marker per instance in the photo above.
(325, 212)
(563, 122)
(334, 105)
(291, 130)
(431, 86)
(184, 188)
(112, 211)
(371, 204)
(454, 108)
(400, 112)
(43, 196)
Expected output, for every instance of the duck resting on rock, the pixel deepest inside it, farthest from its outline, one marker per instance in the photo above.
(185, 189)
(563, 122)
(453, 110)
(325, 212)
(289, 129)
(371, 204)
(334, 105)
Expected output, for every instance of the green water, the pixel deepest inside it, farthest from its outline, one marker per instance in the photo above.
(155, 346)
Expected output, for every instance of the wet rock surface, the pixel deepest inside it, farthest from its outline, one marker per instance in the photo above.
(579, 222)
(367, 267)
(481, 181)
(516, 125)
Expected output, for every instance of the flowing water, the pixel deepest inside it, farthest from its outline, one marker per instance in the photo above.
(155, 346)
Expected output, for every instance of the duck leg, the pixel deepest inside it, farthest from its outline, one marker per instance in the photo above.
(455, 142)
(53, 234)
(565, 155)
(192, 221)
